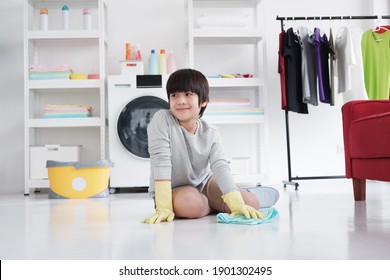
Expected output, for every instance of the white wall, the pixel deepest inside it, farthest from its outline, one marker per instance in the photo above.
(11, 96)
(151, 23)
(161, 24)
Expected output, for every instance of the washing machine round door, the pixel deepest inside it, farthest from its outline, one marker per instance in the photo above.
(133, 121)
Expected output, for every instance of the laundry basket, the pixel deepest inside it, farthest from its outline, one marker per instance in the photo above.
(78, 179)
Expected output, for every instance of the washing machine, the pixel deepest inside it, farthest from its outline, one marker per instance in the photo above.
(132, 102)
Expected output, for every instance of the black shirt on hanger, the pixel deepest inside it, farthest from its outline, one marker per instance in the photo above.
(293, 65)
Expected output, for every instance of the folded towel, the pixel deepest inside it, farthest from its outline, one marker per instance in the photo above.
(49, 73)
(49, 77)
(49, 67)
(67, 115)
(270, 215)
(67, 111)
(67, 108)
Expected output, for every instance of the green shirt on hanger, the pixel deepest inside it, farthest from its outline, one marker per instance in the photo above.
(376, 62)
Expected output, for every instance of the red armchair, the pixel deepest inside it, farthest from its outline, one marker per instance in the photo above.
(366, 129)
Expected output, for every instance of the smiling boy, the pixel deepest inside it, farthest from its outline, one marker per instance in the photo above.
(190, 177)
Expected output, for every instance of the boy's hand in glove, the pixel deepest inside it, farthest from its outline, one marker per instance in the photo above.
(237, 205)
(163, 199)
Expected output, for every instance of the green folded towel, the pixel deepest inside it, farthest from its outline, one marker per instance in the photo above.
(270, 215)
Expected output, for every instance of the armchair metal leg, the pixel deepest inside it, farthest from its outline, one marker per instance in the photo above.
(359, 189)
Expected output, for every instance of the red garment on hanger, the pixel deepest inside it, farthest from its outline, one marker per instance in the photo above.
(281, 70)
(382, 29)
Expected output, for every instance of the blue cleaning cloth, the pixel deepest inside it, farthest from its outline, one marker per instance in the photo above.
(270, 215)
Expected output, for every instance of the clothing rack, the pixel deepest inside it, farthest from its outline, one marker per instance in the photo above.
(282, 19)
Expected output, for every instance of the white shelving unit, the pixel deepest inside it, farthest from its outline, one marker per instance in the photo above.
(84, 51)
(224, 49)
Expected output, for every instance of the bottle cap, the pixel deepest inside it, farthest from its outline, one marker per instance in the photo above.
(65, 8)
(162, 51)
(44, 11)
(152, 51)
(86, 11)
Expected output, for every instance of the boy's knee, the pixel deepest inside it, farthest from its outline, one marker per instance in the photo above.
(190, 204)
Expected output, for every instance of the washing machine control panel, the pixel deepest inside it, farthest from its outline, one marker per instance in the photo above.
(149, 81)
(137, 81)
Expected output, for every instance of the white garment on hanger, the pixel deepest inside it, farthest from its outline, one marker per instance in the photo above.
(350, 64)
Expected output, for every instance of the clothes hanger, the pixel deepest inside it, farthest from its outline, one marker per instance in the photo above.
(377, 28)
(310, 27)
(382, 29)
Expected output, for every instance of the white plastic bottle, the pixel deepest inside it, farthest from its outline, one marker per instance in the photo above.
(162, 63)
(44, 19)
(87, 21)
(153, 63)
(171, 63)
(65, 17)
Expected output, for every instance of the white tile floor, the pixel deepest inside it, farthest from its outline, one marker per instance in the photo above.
(319, 221)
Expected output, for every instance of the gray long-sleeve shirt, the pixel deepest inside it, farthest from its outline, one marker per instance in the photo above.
(185, 158)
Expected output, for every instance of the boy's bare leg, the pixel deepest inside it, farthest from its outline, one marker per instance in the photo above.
(214, 196)
(188, 202)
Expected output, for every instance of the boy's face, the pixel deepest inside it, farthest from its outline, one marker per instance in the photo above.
(185, 106)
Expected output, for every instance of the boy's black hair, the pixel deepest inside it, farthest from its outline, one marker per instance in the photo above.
(192, 80)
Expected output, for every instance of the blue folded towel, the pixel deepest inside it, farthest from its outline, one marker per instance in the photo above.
(270, 215)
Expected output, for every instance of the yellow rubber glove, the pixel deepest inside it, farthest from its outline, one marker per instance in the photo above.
(237, 205)
(163, 199)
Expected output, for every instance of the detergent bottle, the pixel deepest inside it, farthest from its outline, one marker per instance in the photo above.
(65, 17)
(162, 63)
(87, 21)
(171, 63)
(153, 63)
(44, 19)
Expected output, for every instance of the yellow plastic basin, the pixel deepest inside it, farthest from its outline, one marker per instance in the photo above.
(78, 179)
